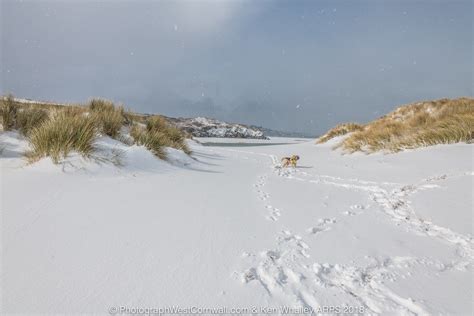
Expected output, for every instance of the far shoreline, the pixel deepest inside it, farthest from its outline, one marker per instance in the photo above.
(249, 142)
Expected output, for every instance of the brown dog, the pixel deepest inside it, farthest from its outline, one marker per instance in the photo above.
(289, 161)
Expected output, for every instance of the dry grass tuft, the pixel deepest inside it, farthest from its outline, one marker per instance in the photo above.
(154, 141)
(157, 134)
(29, 118)
(108, 117)
(416, 125)
(177, 139)
(173, 136)
(130, 118)
(455, 129)
(55, 130)
(61, 135)
(339, 130)
(9, 110)
(71, 110)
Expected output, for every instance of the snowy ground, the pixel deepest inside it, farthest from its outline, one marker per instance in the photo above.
(384, 233)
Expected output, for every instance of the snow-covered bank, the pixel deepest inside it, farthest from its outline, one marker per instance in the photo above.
(385, 233)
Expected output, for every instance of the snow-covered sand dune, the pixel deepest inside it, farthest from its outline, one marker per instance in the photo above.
(378, 233)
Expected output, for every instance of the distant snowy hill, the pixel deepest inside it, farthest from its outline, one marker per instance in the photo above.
(206, 127)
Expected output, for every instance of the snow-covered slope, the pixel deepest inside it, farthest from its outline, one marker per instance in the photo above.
(29, 101)
(206, 127)
(388, 234)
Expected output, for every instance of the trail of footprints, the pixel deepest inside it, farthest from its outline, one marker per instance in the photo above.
(287, 271)
(280, 271)
(392, 200)
(274, 213)
(324, 224)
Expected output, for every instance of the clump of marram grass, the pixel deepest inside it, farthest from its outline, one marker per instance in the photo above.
(129, 118)
(374, 137)
(339, 130)
(71, 110)
(29, 118)
(417, 125)
(55, 130)
(456, 129)
(173, 136)
(108, 117)
(156, 134)
(154, 141)
(60, 135)
(177, 139)
(9, 111)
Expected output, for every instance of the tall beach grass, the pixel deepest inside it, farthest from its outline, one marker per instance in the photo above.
(108, 117)
(415, 125)
(62, 134)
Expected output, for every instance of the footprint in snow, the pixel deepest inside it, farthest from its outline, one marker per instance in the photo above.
(246, 254)
(274, 213)
(317, 230)
(349, 213)
(356, 209)
(322, 226)
(249, 275)
(323, 221)
(271, 254)
(273, 217)
(294, 242)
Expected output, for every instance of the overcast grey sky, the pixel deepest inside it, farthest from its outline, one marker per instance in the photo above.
(289, 65)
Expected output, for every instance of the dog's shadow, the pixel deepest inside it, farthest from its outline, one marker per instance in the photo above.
(304, 167)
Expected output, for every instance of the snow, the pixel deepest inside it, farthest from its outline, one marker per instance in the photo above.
(206, 127)
(228, 228)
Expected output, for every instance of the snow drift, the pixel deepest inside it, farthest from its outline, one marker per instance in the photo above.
(228, 228)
